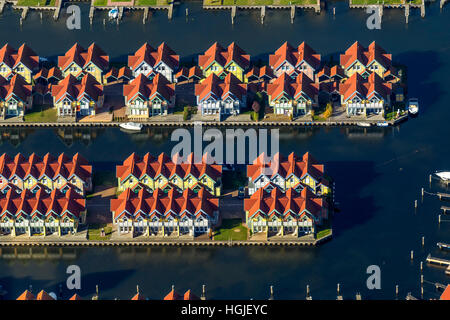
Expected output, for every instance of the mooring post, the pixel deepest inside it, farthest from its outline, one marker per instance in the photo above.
(423, 191)
(396, 291)
(439, 218)
(430, 179)
(412, 255)
(423, 241)
(307, 291)
(415, 204)
(421, 266)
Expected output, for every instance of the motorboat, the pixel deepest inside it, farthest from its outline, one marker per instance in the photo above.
(113, 13)
(132, 126)
(383, 124)
(363, 124)
(413, 106)
(443, 175)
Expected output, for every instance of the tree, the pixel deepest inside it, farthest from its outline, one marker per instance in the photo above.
(256, 106)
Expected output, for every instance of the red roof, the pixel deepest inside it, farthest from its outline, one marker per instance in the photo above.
(76, 90)
(153, 57)
(143, 203)
(147, 90)
(16, 88)
(25, 55)
(138, 296)
(293, 88)
(365, 88)
(188, 295)
(188, 74)
(357, 52)
(164, 165)
(49, 73)
(173, 295)
(75, 297)
(283, 204)
(82, 57)
(119, 74)
(48, 165)
(42, 203)
(224, 56)
(42, 295)
(295, 56)
(220, 89)
(26, 295)
(287, 166)
(260, 73)
(446, 294)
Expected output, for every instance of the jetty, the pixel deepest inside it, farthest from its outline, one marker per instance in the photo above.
(211, 5)
(443, 195)
(25, 9)
(439, 262)
(442, 245)
(445, 208)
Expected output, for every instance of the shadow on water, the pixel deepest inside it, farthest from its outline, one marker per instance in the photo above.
(355, 208)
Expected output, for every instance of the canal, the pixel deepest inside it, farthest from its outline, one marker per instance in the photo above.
(378, 172)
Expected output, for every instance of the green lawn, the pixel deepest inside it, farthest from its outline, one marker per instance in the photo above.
(257, 2)
(35, 3)
(324, 230)
(41, 114)
(100, 3)
(152, 2)
(323, 233)
(95, 230)
(231, 229)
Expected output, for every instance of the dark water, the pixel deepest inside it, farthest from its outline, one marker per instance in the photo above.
(378, 173)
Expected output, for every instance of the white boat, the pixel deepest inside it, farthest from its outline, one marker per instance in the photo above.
(382, 124)
(443, 175)
(413, 106)
(132, 126)
(363, 124)
(113, 13)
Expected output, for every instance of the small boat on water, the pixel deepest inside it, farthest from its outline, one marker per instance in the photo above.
(132, 126)
(383, 124)
(363, 124)
(113, 13)
(413, 106)
(443, 175)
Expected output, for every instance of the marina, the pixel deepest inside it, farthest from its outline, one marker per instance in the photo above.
(363, 161)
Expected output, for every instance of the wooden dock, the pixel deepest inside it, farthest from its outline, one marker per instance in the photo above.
(442, 245)
(443, 195)
(440, 262)
(444, 209)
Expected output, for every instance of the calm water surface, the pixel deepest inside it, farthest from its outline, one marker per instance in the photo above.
(378, 172)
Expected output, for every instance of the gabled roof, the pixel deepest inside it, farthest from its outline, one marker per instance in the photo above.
(260, 73)
(357, 52)
(147, 89)
(295, 56)
(45, 203)
(76, 297)
(188, 295)
(144, 203)
(46, 74)
(25, 55)
(26, 295)
(16, 87)
(122, 73)
(42, 295)
(233, 53)
(214, 86)
(48, 165)
(293, 89)
(283, 204)
(83, 58)
(365, 88)
(192, 73)
(77, 89)
(153, 57)
(138, 296)
(287, 166)
(446, 294)
(173, 295)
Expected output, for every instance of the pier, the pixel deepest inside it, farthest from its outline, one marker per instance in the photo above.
(442, 245)
(443, 195)
(444, 209)
(439, 262)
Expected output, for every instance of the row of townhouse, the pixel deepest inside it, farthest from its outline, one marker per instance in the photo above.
(47, 173)
(41, 213)
(288, 172)
(162, 213)
(290, 213)
(43, 196)
(165, 173)
(223, 78)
